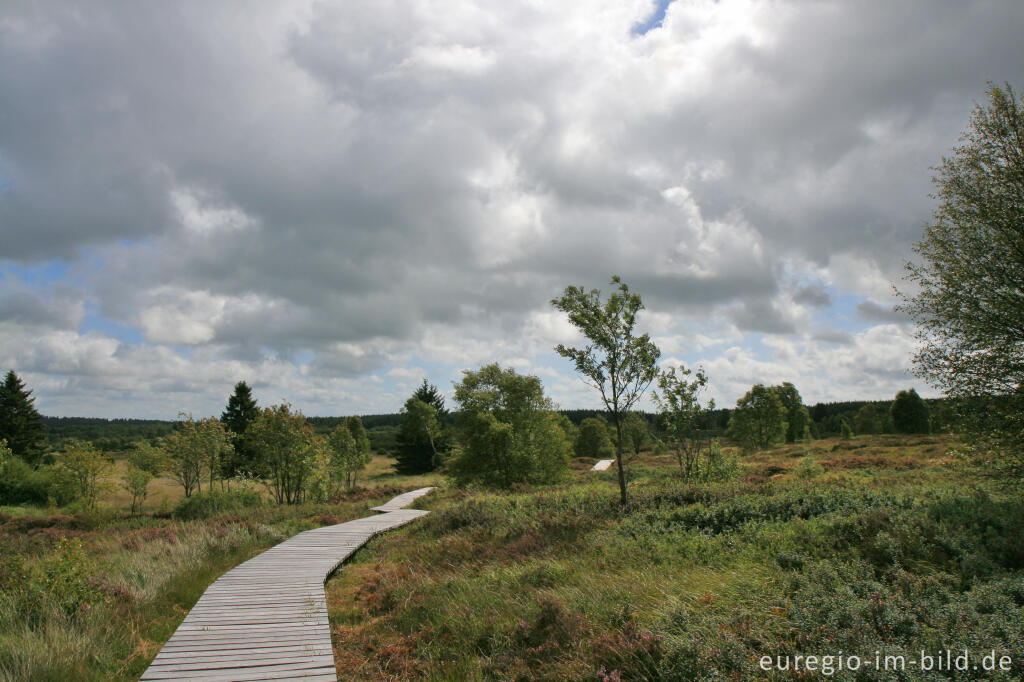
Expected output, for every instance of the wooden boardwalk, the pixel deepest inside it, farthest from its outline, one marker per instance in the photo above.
(266, 619)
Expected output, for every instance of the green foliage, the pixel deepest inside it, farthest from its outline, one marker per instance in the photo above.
(148, 458)
(809, 467)
(288, 452)
(241, 411)
(618, 364)
(634, 430)
(759, 419)
(422, 441)
(362, 446)
(969, 303)
(694, 582)
(846, 433)
(106, 434)
(136, 482)
(85, 467)
(344, 458)
(20, 423)
(592, 440)
(213, 503)
(679, 400)
(867, 421)
(428, 393)
(909, 413)
(416, 450)
(195, 449)
(21, 484)
(798, 419)
(508, 432)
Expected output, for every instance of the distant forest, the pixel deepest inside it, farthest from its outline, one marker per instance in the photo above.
(112, 435)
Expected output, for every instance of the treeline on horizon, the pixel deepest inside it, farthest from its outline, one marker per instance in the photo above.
(117, 434)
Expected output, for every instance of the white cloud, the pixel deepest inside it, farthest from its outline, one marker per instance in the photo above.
(330, 192)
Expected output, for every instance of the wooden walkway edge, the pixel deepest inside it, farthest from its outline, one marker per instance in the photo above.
(266, 619)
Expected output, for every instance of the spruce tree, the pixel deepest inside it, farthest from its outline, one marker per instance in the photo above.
(428, 393)
(419, 447)
(20, 423)
(240, 412)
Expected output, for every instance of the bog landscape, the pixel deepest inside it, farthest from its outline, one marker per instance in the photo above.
(643, 340)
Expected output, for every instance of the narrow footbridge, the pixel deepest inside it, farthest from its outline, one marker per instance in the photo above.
(266, 619)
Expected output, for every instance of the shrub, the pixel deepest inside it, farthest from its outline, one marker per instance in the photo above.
(213, 502)
(20, 483)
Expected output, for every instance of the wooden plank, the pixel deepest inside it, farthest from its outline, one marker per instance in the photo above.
(266, 619)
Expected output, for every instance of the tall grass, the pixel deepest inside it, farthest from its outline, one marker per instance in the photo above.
(94, 597)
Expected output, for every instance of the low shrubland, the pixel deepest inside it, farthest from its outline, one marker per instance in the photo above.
(809, 549)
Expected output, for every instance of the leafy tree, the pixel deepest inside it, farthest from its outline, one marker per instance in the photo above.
(144, 463)
(136, 482)
(146, 456)
(867, 420)
(416, 445)
(509, 433)
(288, 452)
(679, 400)
(969, 300)
(634, 430)
(362, 443)
(344, 457)
(618, 364)
(195, 449)
(568, 428)
(241, 411)
(20, 423)
(759, 419)
(846, 433)
(86, 467)
(592, 440)
(798, 419)
(909, 413)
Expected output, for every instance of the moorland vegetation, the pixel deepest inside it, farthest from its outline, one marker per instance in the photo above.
(721, 537)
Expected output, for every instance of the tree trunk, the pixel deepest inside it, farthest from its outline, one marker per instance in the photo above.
(618, 458)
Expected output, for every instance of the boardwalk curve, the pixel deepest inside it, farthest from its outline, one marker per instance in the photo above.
(266, 619)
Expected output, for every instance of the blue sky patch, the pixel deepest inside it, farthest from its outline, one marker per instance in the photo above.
(653, 21)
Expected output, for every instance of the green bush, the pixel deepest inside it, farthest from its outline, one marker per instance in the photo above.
(21, 484)
(211, 503)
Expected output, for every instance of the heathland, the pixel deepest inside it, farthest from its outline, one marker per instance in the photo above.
(830, 547)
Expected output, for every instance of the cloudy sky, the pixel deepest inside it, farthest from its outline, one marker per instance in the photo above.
(332, 200)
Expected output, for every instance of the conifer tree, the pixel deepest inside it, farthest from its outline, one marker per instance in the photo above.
(422, 440)
(240, 412)
(20, 423)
